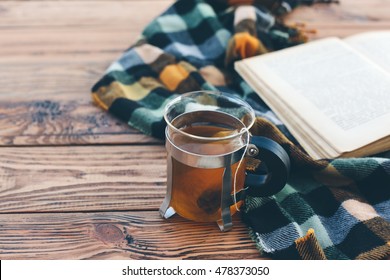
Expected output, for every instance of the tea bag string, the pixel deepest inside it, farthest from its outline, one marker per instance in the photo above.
(245, 129)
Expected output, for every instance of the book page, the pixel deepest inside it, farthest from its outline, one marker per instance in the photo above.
(338, 92)
(374, 45)
(308, 138)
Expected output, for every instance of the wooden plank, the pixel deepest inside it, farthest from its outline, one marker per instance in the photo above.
(119, 235)
(41, 41)
(62, 26)
(58, 109)
(29, 14)
(347, 18)
(41, 27)
(79, 26)
(54, 121)
(346, 12)
(46, 101)
(42, 13)
(72, 179)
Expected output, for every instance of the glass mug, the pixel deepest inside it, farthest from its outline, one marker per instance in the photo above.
(209, 146)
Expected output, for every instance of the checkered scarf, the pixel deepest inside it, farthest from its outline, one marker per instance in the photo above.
(330, 209)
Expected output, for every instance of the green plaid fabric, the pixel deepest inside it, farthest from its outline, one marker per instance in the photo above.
(330, 209)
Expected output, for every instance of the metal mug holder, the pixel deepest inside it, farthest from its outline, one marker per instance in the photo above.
(267, 151)
(206, 107)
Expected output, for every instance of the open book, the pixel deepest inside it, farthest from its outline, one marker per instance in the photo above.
(332, 94)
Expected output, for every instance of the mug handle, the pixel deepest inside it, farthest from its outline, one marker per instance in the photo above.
(276, 162)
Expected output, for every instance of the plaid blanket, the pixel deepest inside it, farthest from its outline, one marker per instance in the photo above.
(330, 209)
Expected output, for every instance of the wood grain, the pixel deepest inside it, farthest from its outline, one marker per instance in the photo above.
(119, 235)
(347, 18)
(42, 27)
(58, 121)
(49, 102)
(71, 179)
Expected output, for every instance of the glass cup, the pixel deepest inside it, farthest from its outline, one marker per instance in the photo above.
(213, 162)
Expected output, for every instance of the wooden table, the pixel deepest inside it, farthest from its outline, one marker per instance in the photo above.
(75, 183)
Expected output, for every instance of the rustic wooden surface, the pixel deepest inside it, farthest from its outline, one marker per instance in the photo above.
(75, 183)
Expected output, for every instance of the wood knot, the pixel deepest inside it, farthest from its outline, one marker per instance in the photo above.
(42, 111)
(129, 239)
(109, 233)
